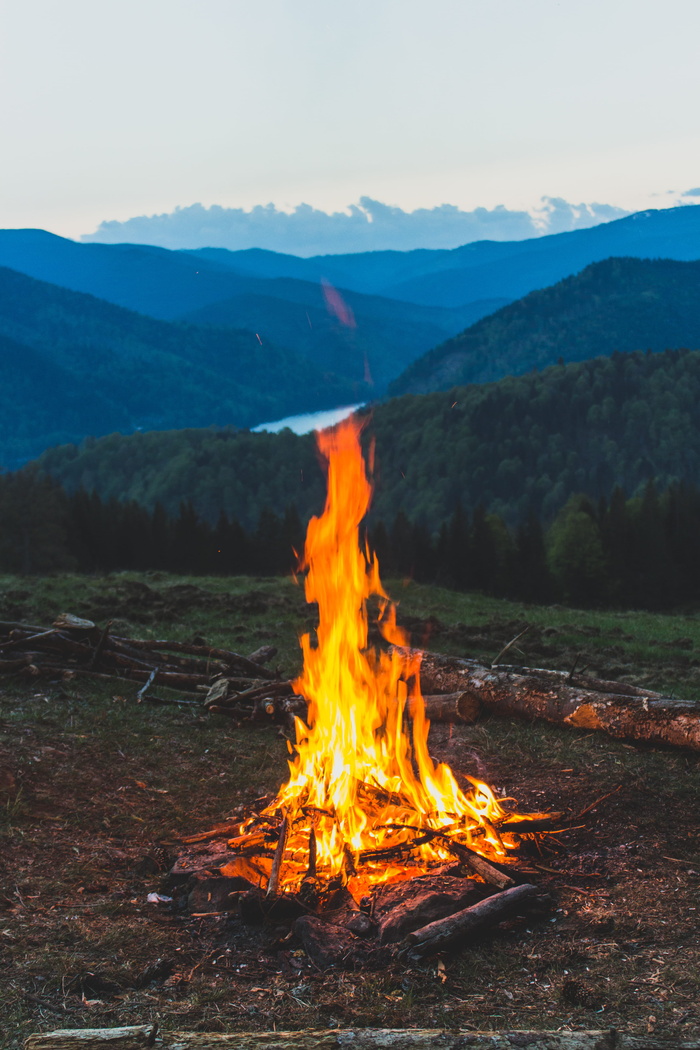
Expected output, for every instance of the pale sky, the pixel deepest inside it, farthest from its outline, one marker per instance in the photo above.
(120, 108)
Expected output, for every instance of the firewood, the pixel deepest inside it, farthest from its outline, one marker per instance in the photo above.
(409, 905)
(358, 1039)
(464, 924)
(489, 872)
(263, 655)
(273, 884)
(228, 657)
(462, 706)
(632, 714)
(8, 666)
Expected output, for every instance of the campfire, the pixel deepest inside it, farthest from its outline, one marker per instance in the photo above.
(365, 806)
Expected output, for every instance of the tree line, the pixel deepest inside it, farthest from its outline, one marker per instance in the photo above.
(640, 551)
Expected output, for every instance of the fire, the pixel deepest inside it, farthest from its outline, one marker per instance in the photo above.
(364, 802)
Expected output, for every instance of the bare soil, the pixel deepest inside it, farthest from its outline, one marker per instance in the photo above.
(95, 790)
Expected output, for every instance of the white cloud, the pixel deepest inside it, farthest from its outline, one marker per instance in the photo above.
(368, 225)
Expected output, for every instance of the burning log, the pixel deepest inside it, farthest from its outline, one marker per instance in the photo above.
(620, 709)
(462, 925)
(135, 1037)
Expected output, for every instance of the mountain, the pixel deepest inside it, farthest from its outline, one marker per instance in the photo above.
(523, 443)
(618, 304)
(152, 281)
(483, 269)
(377, 338)
(201, 288)
(75, 366)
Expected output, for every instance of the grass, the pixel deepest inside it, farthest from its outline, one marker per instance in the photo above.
(96, 789)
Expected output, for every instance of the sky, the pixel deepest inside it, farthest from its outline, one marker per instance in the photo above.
(119, 109)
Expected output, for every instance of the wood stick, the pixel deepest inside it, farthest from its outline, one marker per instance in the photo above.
(226, 655)
(144, 687)
(101, 644)
(464, 924)
(27, 638)
(7, 666)
(273, 884)
(358, 1039)
(489, 873)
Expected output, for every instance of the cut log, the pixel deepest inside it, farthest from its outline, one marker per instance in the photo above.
(353, 1039)
(450, 707)
(464, 924)
(622, 711)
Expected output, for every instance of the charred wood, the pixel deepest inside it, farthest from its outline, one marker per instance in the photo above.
(462, 925)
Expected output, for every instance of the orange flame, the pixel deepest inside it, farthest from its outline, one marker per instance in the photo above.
(364, 795)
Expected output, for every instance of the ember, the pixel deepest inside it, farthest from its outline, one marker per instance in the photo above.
(364, 804)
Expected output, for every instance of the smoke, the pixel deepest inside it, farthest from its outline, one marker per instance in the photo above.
(369, 225)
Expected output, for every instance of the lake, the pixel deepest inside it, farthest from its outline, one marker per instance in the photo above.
(308, 421)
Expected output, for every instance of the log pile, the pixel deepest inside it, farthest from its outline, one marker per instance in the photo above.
(74, 647)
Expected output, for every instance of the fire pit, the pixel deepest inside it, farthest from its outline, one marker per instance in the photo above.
(369, 836)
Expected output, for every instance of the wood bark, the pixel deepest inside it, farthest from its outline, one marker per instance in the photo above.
(619, 709)
(464, 924)
(352, 1039)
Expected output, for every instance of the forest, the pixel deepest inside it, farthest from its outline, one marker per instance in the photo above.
(615, 305)
(523, 445)
(638, 551)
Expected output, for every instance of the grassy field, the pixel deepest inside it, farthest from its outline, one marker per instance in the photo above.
(95, 790)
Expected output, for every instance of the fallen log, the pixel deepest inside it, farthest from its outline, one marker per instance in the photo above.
(464, 924)
(622, 711)
(138, 1036)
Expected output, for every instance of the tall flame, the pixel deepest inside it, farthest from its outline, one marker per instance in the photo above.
(364, 795)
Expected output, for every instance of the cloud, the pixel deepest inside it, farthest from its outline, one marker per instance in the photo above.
(368, 225)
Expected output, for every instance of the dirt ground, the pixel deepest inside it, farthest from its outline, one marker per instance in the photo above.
(95, 790)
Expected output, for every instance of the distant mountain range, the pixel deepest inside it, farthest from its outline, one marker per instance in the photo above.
(483, 269)
(169, 284)
(618, 304)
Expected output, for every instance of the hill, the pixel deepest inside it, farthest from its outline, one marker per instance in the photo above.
(74, 366)
(618, 304)
(521, 444)
(378, 339)
(204, 290)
